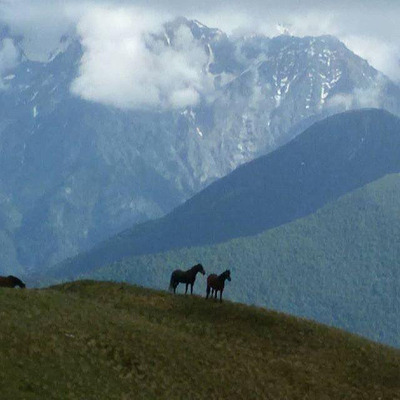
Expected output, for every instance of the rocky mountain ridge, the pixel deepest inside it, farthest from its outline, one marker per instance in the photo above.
(75, 172)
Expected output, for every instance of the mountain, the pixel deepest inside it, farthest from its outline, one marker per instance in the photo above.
(339, 266)
(76, 172)
(97, 340)
(332, 157)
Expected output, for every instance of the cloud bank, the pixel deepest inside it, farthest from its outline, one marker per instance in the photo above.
(119, 69)
(129, 64)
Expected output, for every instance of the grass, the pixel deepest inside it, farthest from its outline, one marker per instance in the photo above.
(99, 340)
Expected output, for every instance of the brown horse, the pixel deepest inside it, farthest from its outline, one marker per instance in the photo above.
(188, 277)
(217, 283)
(11, 281)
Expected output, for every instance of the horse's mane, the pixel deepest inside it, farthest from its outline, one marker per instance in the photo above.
(14, 278)
(225, 273)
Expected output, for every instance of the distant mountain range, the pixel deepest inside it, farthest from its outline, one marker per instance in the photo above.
(74, 172)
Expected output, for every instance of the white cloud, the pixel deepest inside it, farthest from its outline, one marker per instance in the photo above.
(183, 97)
(41, 23)
(371, 97)
(124, 65)
(9, 56)
(383, 55)
(118, 68)
(341, 100)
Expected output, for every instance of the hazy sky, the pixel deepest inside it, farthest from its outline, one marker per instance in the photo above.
(111, 32)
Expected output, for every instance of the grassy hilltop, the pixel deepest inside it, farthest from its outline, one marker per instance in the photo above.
(99, 340)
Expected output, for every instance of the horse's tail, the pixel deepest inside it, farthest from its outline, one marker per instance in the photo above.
(171, 282)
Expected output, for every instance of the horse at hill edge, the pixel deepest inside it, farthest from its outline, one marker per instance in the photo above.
(217, 283)
(188, 277)
(11, 281)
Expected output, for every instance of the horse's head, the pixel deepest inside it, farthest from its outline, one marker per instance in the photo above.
(200, 269)
(227, 274)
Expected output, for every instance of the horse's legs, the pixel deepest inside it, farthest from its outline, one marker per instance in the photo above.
(215, 295)
(186, 288)
(175, 285)
(191, 288)
(207, 292)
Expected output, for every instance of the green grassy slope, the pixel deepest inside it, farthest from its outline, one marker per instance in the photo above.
(91, 340)
(340, 266)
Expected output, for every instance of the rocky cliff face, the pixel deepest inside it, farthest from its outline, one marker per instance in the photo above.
(74, 172)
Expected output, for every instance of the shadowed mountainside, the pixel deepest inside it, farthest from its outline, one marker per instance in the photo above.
(332, 157)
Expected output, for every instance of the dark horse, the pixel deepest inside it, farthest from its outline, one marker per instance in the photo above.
(217, 282)
(11, 281)
(188, 277)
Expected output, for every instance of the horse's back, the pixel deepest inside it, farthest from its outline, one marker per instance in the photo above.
(212, 279)
(177, 272)
(178, 275)
(5, 282)
(11, 281)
